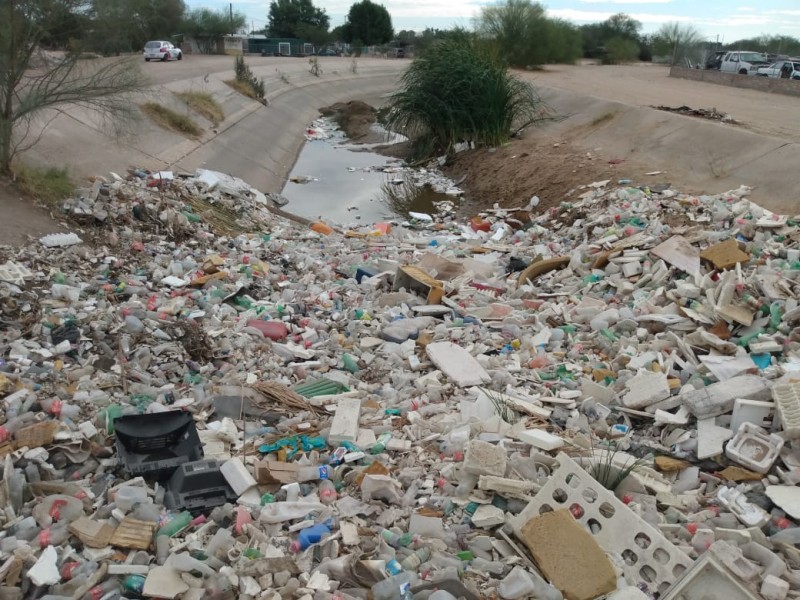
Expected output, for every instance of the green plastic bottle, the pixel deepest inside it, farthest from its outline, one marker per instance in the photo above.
(179, 523)
(350, 363)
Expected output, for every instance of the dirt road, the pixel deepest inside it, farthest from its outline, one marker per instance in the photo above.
(648, 85)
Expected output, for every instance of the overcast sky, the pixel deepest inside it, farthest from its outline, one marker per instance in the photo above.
(729, 20)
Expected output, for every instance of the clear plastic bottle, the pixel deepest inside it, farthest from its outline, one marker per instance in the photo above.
(52, 536)
(327, 492)
(60, 409)
(415, 559)
(99, 591)
(72, 570)
(13, 425)
(26, 529)
(397, 587)
(396, 540)
(313, 473)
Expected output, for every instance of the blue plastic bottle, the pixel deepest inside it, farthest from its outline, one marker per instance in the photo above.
(308, 536)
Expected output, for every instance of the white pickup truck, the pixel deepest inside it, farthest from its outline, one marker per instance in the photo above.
(744, 63)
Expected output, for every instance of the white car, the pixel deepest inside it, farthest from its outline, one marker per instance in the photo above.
(783, 69)
(744, 63)
(162, 51)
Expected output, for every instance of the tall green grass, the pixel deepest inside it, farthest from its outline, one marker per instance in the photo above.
(458, 91)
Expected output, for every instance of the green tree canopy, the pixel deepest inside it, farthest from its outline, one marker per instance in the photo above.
(125, 25)
(206, 26)
(293, 18)
(368, 22)
(524, 35)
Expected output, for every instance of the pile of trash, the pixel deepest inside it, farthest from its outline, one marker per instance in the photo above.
(203, 400)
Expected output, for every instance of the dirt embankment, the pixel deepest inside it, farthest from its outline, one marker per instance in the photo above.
(356, 118)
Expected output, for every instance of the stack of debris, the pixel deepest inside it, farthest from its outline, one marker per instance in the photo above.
(203, 400)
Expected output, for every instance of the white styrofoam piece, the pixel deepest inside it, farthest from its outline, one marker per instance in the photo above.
(55, 240)
(458, 364)
(539, 438)
(237, 476)
(750, 411)
(787, 403)
(754, 448)
(787, 497)
(15, 273)
(707, 578)
(736, 502)
(647, 555)
(710, 438)
(344, 427)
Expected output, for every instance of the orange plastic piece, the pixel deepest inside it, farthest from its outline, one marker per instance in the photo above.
(322, 228)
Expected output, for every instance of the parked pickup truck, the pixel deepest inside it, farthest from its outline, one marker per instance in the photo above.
(782, 69)
(744, 63)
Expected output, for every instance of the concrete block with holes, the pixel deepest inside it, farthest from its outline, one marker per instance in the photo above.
(646, 555)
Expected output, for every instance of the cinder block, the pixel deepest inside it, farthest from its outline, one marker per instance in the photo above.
(344, 427)
(483, 458)
(648, 556)
(579, 568)
(787, 401)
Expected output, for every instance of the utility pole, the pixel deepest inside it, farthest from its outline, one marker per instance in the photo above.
(231, 13)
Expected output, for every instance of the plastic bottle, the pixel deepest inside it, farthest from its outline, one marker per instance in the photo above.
(98, 591)
(380, 443)
(790, 535)
(327, 492)
(520, 583)
(129, 495)
(176, 524)
(313, 473)
(51, 536)
(13, 425)
(397, 587)
(415, 559)
(60, 409)
(395, 540)
(72, 570)
(134, 583)
(26, 529)
(308, 536)
(243, 517)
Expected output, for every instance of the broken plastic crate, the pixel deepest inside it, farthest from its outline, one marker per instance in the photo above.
(154, 445)
(198, 485)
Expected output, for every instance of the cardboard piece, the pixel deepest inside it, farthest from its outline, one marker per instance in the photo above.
(541, 267)
(568, 556)
(725, 255)
(680, 253)
(92, 533)
(134, 534)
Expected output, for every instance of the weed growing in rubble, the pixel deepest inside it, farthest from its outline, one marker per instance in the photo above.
(608, 471)
(458, 91)
(501, 406)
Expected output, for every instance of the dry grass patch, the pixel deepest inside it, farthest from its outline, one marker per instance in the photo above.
(203, 104)
(169, 119)
(50, 185)
(245, 88)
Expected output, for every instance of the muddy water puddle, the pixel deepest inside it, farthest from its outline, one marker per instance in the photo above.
(338, 181)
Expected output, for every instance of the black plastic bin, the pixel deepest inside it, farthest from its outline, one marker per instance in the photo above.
(198, 485)
(155, 445)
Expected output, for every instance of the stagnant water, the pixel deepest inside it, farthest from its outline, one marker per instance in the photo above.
(348, 184)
